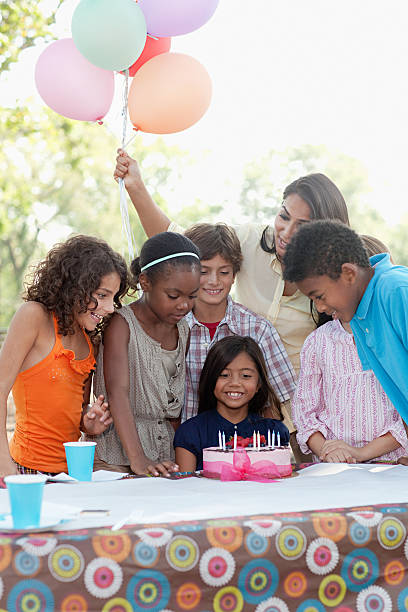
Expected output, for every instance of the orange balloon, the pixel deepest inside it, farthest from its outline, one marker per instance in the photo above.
(169, 93)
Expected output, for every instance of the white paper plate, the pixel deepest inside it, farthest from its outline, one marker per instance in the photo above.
(47, 522)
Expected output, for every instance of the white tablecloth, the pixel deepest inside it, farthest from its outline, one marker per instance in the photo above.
(158, 500)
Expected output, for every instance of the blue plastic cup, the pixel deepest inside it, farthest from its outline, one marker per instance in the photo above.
(80, 459)
(26, 495)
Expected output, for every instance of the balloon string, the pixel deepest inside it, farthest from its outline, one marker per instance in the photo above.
(126, 227)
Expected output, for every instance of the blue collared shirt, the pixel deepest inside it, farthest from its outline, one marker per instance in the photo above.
(380, 328)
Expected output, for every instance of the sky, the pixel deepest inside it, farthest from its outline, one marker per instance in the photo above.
(284, 73)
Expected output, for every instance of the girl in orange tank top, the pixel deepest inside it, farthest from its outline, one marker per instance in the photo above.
(48, 356)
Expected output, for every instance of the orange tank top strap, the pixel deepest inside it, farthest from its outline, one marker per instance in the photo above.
(82, 366)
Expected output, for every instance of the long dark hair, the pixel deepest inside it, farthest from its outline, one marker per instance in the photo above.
(326, 202)
(219, 356)
(71, 271)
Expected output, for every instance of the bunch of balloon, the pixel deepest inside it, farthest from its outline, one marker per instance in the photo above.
(169, 92)
(75, 76)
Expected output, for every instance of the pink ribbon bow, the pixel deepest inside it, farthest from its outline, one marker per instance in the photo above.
(260, 471)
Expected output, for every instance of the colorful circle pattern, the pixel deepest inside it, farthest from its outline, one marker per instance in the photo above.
(258, 580)
(368, 518)
(182, 553)
(103, 577)
(322, 556)
(188, 596)
(26, 564)
(257, 545)
(30, 595)
(229, 538)
(290, 543)
(332, 590)
(74, 603)
(374, 599)
(148, 590)
(391, 533)
(394, 572)
(311, 605)
(66, 563)
(117, 604)
(264, 527)
(403, 600)
(217, 567)
(5, 556)
(116, 547)
(155, 537)
(295, 584)
(145, 555)
(359, 534)
(360, 569)
(272, 604)
(39, 547)
(330, 525)
(228, 599)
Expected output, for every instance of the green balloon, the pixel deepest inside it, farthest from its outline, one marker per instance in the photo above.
(110, 33)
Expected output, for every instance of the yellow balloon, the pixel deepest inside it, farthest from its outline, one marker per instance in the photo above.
(169, 93)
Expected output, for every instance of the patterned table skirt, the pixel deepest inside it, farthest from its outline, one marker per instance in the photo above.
(342, 560)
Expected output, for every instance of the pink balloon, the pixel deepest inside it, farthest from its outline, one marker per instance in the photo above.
(153, 47)
(72, 86)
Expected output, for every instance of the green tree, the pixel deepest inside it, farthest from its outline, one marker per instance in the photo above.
(22, 23)
(56, 179)
(265, 180)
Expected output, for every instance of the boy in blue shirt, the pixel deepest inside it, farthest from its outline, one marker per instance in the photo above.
(328, 262)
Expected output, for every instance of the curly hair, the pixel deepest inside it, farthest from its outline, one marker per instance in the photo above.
(217, 239)
(162, 245)
(71, 271)
(320, 248)
(219, 356)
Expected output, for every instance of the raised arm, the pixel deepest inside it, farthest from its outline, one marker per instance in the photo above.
(151, 216)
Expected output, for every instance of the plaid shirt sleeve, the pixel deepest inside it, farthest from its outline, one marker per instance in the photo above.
(280, 370)
(197, 352)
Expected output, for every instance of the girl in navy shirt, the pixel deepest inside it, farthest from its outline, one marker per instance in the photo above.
(234, 393)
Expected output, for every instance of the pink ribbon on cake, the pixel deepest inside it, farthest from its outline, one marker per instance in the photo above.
(261, 471)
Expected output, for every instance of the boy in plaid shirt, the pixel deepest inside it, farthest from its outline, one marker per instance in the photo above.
(215, 315)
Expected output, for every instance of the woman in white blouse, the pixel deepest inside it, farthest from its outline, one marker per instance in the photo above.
(259, 283)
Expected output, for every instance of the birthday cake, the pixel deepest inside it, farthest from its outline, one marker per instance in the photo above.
(246, 462)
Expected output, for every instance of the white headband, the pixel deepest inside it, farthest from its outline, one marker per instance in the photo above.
(156, 261)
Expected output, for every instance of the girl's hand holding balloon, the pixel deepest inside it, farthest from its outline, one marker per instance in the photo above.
(127, 169)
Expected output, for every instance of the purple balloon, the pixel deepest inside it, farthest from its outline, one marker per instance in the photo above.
(176, 17)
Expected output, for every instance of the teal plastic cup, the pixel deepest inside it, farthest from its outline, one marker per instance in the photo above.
(26, 495)
(80, 459)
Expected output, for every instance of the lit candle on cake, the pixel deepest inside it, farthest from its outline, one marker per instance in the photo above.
(223, 440)
(219, 439)
(254, 440)
(269, 438)
(278, 438)
(273, 439)
(258, 435)
(235, 441)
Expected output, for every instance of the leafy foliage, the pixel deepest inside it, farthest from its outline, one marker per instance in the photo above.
(56, 179)
(22, 23)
